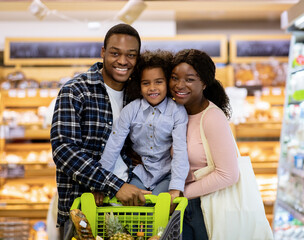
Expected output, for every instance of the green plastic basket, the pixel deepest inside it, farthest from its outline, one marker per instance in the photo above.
(147, 218)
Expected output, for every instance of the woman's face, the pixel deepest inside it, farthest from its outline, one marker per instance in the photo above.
(187, 88)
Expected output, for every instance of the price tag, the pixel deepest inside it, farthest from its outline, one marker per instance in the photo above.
(276, 91)
(12, 93)
(21, 93)
(44, 93)
(12, 170)
(266, 91)
(31, 92)
(53, 92)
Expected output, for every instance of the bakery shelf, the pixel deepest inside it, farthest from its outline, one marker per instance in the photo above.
(258, 130)
(25, 211)
(13, 102)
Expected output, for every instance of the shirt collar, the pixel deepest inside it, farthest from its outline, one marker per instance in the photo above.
(161, 107)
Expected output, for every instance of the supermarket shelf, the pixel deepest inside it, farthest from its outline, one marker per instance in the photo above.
(298, 172)
(294, 171)
(13, 202)
(49, 171)
(27, 146)
(290, 209)
(258, 129)
(25, 211)
(42, 98)
(33, 180)
(272, 99)
(265, 167)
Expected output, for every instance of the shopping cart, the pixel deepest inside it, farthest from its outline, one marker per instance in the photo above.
(148, 219)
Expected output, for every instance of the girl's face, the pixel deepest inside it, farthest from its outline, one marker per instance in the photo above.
(187, 88)
(153, 85)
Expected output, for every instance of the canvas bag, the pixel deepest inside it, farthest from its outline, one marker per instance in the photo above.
(236, 212)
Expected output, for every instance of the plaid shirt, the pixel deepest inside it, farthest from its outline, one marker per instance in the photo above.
(82, 123)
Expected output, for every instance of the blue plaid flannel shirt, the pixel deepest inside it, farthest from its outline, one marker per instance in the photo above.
(82, 123)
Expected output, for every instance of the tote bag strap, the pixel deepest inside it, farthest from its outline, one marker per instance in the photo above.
(210, 162)
(204, 140)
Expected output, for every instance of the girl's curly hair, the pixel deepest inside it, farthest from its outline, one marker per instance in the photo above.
(148, 60)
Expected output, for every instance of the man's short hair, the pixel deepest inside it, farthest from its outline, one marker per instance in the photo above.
(122, 28)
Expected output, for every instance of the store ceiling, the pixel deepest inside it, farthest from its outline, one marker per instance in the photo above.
(191, 10)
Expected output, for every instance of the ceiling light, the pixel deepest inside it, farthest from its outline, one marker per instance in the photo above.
(38, 9)
(131, 11)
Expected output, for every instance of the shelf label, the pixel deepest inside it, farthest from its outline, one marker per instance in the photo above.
(21, 93)
(44, 93)
(53, 92)
(12, 171)
(12, 93)
(31, 92)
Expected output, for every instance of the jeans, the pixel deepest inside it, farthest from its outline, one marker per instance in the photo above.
(194, 226)
(162, 186)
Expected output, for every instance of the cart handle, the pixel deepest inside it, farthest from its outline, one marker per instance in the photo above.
(149, 199)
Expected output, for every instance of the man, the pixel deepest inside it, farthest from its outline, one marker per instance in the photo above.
(82, 122)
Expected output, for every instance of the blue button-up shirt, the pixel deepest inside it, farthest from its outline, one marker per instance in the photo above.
(153, 130)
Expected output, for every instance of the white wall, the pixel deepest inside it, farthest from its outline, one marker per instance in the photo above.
(162, 24)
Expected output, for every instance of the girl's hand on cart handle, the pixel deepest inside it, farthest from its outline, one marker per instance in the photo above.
(130, 195)
(99, 196)
(174, 194)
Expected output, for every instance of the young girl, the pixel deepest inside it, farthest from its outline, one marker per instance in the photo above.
(193, 85)
(155, 124)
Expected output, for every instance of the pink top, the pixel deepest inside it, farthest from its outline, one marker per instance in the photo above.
(222, 148)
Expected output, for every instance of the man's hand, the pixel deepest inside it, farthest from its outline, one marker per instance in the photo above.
(99, 196)
(130, 195)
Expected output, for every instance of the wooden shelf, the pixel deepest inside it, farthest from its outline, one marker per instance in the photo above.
(265, 168)
(22, 102)
(258, 130)
(25, 211)
(37, 133)
(27, 146)
(272, 99)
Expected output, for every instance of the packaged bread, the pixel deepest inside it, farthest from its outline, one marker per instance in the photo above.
(82, 226)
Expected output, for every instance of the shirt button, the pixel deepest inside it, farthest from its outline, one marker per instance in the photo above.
(110, 123)
(150, 136)
(153, 113)
(113, 132)
(102, 144)
(150, 125)
(151, 147)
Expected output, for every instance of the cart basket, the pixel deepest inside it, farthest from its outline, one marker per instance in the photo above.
(148, 218)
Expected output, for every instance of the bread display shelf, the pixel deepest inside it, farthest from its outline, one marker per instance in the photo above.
(37, 134)
(271, 99)
(33, 180)
(40, 172)
(258, 130)
(265, 168)
(25, 211)
(14, 202)
(42, 98)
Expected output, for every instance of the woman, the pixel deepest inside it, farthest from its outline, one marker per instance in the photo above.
(193, 85)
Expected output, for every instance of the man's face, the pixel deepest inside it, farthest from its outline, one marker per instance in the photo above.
(119, 60)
